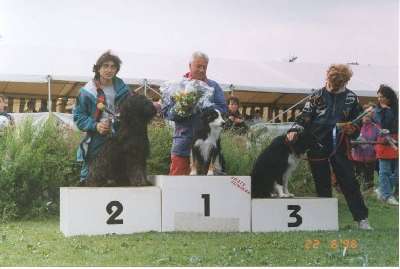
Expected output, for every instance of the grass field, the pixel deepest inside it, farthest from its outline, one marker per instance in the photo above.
(40, 243)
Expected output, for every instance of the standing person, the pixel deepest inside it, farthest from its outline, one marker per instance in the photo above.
(184, 128)
(386, 117)
(328, 106)
(363, 155)
(105, 88)
(235, 121)
(5, 118)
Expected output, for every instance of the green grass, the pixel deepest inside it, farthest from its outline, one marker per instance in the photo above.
(40, 243)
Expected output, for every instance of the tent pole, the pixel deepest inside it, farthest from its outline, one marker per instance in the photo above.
(298, 103)
(49, 93)
(145, 87)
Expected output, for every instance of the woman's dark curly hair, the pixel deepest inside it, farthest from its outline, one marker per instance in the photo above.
(105, 57)
(390, 94)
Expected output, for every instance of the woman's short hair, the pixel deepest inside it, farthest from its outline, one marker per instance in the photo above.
(233, 99)
(106, 57)
(338, 75)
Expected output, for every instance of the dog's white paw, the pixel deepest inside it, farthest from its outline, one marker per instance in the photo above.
(193, 173)
(210, 173)
(290, 194)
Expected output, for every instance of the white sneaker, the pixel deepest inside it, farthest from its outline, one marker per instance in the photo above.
(364, 225)
(392, 201)
(378, 194)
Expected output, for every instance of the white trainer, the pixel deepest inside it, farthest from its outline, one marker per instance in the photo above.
(378, 194)
(392, 201)
(364, 225)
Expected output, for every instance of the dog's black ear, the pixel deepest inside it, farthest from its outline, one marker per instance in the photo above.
(207, 114)
(149, 110)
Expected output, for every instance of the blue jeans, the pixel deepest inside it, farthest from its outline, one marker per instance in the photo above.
(388, 177)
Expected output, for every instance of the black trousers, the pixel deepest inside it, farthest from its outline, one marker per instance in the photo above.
(343, 169)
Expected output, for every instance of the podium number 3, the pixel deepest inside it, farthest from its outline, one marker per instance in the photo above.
(114, 214)
(299, 219)
(206, 198)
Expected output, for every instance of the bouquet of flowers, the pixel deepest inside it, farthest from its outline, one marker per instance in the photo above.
(186, 97)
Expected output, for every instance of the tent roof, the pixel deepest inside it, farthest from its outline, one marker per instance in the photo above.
(26, 71)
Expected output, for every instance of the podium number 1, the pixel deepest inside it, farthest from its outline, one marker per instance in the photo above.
(299, 219)
(114, 214)
(206, 198)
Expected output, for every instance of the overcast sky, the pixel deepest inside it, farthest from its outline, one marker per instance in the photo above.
(365, 31)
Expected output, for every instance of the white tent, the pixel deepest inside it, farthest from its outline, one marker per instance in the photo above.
(28, 71)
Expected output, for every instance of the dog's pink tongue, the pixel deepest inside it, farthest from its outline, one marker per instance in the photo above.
(157, 106)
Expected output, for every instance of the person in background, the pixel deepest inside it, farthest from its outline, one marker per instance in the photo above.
(257, 116)
(184, 128)
(5, 118)
(105, 88)
(363, 154)
(235, 121)
(30, 106)
(322, 114)
(385, 116)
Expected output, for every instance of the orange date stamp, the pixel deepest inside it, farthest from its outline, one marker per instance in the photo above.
(333, 244)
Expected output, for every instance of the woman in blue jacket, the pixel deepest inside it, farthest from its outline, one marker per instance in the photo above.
(105, 88)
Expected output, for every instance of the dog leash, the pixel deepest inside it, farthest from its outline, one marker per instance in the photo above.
(341, 139)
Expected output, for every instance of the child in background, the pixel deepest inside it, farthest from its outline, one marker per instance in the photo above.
(235, 121)
(363, 155)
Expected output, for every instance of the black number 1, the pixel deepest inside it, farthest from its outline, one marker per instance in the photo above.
(114, 214)
(299, 219)
(206, 198)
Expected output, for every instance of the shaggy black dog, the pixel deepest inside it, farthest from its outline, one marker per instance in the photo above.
(275, 165)
(206, 156)
(122, 159)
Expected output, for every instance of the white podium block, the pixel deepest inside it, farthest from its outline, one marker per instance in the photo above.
(295, 214)
(205, 203)
(106, 210)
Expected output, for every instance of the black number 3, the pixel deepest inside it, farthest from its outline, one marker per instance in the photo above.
(112, 219)
(299, 219)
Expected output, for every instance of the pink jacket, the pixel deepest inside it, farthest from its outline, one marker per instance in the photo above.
(366, 152)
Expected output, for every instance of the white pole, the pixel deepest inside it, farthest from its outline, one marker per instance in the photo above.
(145, 87)
(49, 93)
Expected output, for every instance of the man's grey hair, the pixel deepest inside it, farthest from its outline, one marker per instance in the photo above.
(199, 54)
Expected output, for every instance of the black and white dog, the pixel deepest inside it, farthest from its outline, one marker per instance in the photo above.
(206, 156)
(274, 166)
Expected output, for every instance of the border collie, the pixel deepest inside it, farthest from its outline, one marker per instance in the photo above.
(206, 157)
(275, 165)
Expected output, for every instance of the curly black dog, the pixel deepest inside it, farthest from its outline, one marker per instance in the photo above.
(122, 159)
(274, 166)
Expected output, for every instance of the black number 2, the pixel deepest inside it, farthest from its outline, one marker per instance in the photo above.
(114, 214)
(299, 219)
(206, 198)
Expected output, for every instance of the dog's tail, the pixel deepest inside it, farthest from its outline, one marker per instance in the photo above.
(261, 184)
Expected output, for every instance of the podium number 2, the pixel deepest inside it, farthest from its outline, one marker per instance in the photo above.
(206, 198)
(114, 214)
(299, 219)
